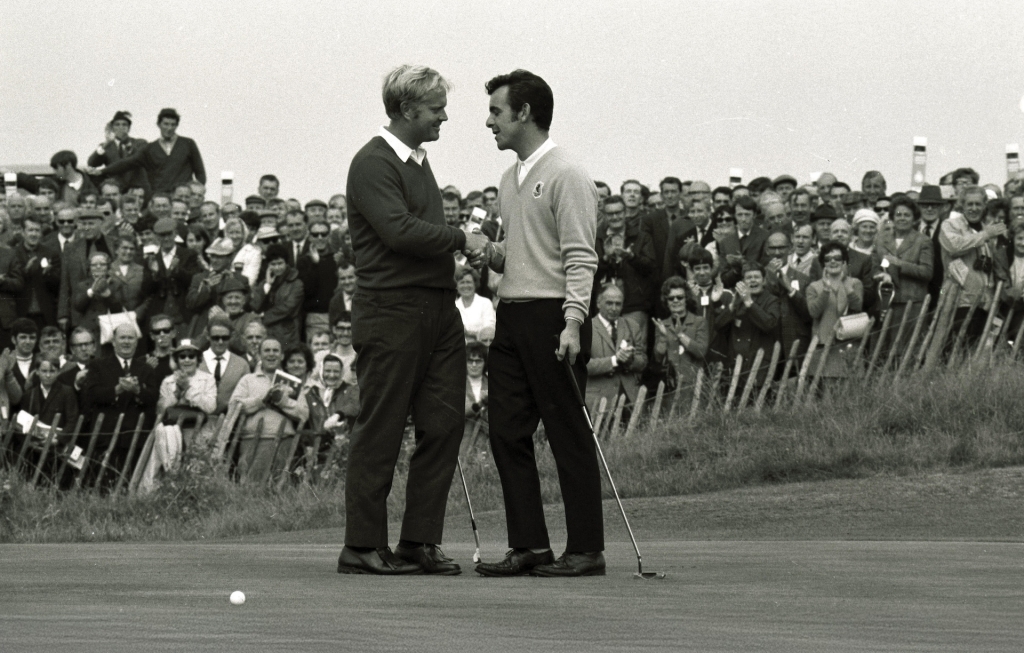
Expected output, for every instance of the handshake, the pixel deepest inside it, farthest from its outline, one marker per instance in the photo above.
(478, 250)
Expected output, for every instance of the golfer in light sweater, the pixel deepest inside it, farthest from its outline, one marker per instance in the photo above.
(548, 206)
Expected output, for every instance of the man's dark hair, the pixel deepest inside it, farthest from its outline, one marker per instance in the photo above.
(526, 88)
(159, 317)
(168, 113)
(842, 184)
(700, 256)
(277, 201)
(670, 180)
(491, 189)
(63, 157)
(797, 192)
(49, 184)
(270, 178)
(747, 202)
(601, 184)
(449, 196)
(622, 188)
(614, 199)
(722, 190)
(341, 316)
(301, 214)
(24, 325)
(49, 332)
(965, 172)
(474, 195)
(759, 185)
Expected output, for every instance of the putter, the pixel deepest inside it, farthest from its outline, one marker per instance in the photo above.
(472, 517)
(640, 573)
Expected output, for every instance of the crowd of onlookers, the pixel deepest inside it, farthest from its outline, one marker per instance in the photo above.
(124, 292)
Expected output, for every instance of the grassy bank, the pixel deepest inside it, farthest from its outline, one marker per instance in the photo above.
(969, 417)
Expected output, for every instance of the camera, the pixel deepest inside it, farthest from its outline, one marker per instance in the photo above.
(984, 264)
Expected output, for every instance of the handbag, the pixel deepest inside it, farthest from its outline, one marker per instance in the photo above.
(111, 321)
(851, 327)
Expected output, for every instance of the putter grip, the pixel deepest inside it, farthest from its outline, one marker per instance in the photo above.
(572, 380)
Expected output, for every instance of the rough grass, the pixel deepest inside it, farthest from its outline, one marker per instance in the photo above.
(966, 418)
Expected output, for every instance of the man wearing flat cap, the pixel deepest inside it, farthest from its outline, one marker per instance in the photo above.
(119, 146)
(784, 185)
(208, 286)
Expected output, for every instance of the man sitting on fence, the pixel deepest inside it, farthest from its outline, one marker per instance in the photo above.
(618, 353)
(120, 384)
(270, 415)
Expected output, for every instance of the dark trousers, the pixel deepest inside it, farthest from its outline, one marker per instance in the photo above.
(527, 384)
(411, 354)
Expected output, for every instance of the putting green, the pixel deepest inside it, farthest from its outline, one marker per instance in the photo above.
(839, 566)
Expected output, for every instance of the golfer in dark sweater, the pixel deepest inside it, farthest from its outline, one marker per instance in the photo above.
(407, 333)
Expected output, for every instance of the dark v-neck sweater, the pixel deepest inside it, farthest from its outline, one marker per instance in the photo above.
(399, 234)
(165, 171)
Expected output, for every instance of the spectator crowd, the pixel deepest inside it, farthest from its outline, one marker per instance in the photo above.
(124, 292)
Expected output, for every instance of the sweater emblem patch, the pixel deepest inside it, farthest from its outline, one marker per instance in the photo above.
(538, 190)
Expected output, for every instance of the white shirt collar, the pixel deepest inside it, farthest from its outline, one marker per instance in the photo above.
(403, 151)
(525, 166)
(607, 325)
(211, 359)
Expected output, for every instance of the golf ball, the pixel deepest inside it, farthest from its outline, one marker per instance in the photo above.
(237, 598)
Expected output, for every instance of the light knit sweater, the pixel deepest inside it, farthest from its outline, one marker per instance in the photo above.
(550, 222)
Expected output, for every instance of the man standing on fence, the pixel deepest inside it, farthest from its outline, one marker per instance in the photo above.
(407, 334)
(548, 205)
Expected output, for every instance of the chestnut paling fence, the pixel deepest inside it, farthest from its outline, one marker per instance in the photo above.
(77, 460)
(85, 460)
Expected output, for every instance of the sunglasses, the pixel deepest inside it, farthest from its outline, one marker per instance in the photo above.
(474, 361)
(834, 259)
(65, 221)
(675, 298)
(319, 234)
(187, 356)
(220, 338)
(161, 332)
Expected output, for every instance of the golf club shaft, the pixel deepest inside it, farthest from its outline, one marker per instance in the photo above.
(607, 471)
(472, 517)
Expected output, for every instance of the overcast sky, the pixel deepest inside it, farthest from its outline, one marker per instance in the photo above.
(642, 89)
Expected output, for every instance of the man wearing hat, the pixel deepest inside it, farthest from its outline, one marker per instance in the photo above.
(207, 286)
(118, 146)
(934, 211)
(255, 203)
(316, 210)
(822, 219)
(784, 185)
(168, 161)
(88, 240)
(172, 269)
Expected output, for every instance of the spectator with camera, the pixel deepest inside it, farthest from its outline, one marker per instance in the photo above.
(967, 255)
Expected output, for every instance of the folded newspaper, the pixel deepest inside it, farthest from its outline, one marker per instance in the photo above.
(293, 382)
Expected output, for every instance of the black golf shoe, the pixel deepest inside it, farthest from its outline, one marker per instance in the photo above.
(430, 558)
(573, 564)
(381, 562)
(517, 562)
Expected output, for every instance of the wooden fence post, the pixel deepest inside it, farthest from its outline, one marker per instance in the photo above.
(886, 317)
(993, 305)
(698, 387)
(776, 350)
(638, 406)
(803, 371)
(737, 368)
(659, 395)
(131, 451)
(909, 355)
(70, 449)
(899, 336)
(89, 450)
(602, 408)
(748, 387)
(784, 383)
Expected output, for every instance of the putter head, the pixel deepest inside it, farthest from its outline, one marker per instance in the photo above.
(476, 556)
(647, 575)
